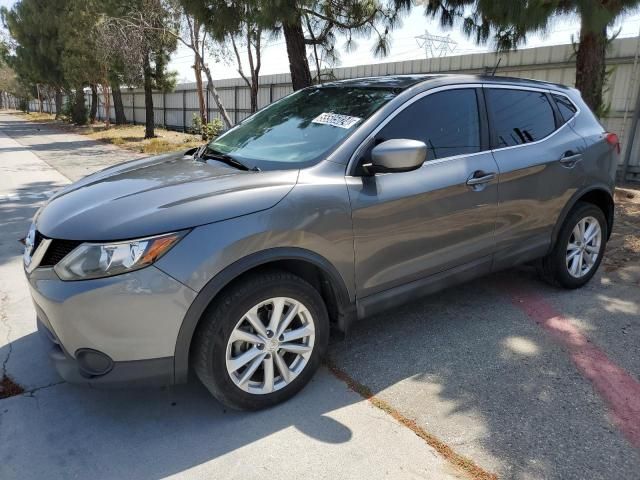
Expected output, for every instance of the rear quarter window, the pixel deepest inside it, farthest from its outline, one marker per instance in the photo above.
(565, 106)
(519, 116)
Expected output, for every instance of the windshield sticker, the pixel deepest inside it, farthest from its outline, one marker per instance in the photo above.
(336, 120)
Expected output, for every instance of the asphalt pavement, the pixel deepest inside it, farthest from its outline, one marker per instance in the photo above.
(524, 380)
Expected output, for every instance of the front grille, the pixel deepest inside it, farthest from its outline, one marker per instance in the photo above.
(58, 249)
(36, 241)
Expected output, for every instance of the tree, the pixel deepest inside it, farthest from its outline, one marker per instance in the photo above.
(507, 23)
(236, 25)
(36, 55)
(316, 23)
(193, 36)
(197, 36)
(80, 60)
(8, 83)
(138, 32)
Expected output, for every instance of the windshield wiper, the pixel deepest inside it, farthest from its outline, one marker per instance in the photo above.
(205, 152)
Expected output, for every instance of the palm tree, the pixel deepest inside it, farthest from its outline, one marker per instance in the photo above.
(508, 22)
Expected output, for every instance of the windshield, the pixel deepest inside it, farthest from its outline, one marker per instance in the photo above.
(299, 129)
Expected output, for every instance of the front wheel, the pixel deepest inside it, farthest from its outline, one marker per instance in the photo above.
(579, 249)
(262, 341)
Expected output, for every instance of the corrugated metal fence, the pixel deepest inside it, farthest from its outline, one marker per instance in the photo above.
(554, 64)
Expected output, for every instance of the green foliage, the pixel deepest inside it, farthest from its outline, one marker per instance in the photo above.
(507, 23)
(35, 26)
(67, 110)
(209, 130)
(79, 61)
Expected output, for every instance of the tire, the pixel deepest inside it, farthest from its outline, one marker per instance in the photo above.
(215, 355)
(561, 269)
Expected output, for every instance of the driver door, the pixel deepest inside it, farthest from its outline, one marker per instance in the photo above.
(411, 225)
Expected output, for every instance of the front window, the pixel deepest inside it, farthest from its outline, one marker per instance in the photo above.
(302, 128)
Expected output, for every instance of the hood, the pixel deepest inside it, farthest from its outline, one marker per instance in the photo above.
(157, 195)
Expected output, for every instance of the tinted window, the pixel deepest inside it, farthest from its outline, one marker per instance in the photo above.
(519, 116)
(566, 107)
(299, 129)
(447, 122)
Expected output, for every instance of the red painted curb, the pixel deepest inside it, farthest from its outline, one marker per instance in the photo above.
(619, 390)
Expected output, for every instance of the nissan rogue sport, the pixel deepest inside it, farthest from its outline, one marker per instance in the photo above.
(234, 260)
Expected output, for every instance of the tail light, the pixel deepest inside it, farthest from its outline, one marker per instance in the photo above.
(612, 139)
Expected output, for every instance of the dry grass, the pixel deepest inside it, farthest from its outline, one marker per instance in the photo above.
(130, 137)
(37, 117)
(624, 246)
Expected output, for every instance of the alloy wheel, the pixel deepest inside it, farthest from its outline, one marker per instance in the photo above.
(270, 345)
(583, 248)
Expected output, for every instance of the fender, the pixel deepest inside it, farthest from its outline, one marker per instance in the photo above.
(222, 279)
(572, 202)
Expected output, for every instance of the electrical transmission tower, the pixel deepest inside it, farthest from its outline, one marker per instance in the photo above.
(436, 45)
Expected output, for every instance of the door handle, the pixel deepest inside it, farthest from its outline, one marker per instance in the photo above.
(569, 159)
(480, 177)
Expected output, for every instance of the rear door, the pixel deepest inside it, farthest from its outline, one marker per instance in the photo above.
(540, 161)
(411, 225)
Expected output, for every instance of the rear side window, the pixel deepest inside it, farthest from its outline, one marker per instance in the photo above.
(565, 106)
(447, 122)
(519, 116)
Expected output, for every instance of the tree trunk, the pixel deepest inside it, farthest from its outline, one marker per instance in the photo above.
(149, 130)
(297, 51)
(590, 66)
(118, 107)
(197, 67)
(39, 98)
(254, 97)
(58, 102)
(79, 112)
(94, 104)
(216, 97)
(107, 104)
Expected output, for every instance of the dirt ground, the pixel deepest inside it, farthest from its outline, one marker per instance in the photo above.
(624, 246)
(130, 137)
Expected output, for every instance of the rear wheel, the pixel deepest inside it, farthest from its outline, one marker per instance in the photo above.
(262, 341)
(578, 251)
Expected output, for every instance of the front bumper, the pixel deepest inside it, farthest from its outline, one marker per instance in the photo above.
(139, 373)
(130, 322)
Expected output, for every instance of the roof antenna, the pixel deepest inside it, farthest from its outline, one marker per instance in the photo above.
(493, 72)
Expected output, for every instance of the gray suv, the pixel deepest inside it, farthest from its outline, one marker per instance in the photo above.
(234, 260)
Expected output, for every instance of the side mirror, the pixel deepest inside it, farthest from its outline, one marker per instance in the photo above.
(398, 155)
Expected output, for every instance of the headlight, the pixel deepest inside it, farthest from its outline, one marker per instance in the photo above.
(95, 260)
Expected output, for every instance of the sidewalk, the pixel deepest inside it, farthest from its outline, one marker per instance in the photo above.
(56, 430)
(74, 156)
